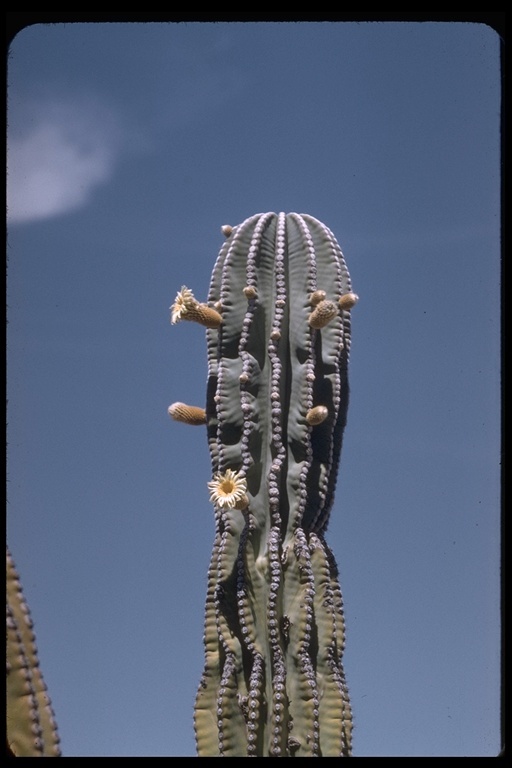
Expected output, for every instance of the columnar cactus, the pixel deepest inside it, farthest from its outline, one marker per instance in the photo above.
(31, 728)
(278, 319)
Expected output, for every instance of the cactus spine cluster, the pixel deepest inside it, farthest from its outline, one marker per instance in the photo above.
(31, 728)
(278, 343)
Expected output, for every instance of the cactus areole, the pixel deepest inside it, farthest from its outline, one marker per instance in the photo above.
(278, 337)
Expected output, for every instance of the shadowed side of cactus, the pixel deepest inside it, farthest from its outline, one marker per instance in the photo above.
(31, 727)
(277, 397)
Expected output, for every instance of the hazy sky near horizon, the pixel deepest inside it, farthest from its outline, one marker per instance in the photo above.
(129, 145)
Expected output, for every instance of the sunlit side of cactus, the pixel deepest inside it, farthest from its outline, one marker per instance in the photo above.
(31, 727)
(278, 319)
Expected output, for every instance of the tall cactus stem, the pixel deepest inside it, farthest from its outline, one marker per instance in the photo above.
(273, 683)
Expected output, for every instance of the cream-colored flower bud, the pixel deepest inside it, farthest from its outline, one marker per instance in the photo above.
(250, 292)
(323, 313)
(316, 415)
(204, 315)
(316, 297)
(348, 301)
(187, 414)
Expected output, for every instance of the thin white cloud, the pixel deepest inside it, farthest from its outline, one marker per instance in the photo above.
(55, 164)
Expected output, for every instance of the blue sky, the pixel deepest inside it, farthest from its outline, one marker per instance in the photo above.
(129, 146)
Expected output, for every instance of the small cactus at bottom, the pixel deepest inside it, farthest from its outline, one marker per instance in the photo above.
(277, 396)
(31, 727)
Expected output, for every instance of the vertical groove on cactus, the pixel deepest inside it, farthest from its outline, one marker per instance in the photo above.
(31, 727)
(276, 404)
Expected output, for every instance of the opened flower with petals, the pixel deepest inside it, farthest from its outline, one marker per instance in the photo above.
(228, 490)
(185, 301)
(186, 307)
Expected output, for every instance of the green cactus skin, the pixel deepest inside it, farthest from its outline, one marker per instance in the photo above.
(273, 682)
(31, 727)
